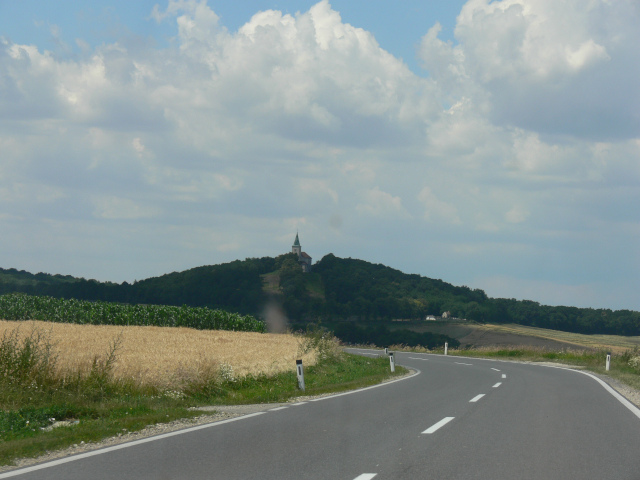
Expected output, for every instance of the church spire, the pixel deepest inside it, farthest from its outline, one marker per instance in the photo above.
(296, 248)
(303, 259)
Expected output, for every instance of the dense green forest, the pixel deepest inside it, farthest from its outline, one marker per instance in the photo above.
(338, 290)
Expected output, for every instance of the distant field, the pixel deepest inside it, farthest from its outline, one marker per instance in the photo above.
(615, 343)
(490, 335)
(160, 356)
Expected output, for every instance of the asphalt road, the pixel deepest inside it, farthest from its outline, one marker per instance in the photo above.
(456, 419)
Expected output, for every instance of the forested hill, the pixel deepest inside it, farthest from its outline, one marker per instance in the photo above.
(337, 289)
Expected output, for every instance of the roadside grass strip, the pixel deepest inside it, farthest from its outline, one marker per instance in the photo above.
(435, 427)
(21, 471)
(61, 461)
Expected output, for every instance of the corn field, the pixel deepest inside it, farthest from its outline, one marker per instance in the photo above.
(16, 306)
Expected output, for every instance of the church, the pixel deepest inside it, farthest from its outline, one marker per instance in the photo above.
(303, 259)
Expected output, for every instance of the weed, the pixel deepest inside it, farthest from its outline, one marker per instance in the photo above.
(321, 341)
(36, 392)
(26, 361)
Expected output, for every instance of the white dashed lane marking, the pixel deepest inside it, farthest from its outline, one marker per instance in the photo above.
(476, 398)
(495, 369)
(497, 385)
(460, 363)
(365, 476)
(438, 425)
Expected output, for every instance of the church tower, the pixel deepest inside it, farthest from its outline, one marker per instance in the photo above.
(297, 249)
(303, 258)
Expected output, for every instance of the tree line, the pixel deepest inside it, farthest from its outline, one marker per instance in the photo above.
(337, 290)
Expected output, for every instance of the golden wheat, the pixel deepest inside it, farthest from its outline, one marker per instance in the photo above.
(163, 356)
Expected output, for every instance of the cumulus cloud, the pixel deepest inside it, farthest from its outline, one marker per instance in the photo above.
(541, 71)
(524, 128)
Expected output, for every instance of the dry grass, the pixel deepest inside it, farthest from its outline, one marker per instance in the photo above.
(613, 343)
(164, 357)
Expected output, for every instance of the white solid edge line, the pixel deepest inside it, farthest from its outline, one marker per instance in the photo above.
(100, 451)
(417, 372)
(73, 458)
(635, 410)
(365, 476)
(438, 425)
(476, 398)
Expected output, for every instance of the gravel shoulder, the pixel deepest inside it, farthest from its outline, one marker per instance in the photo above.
(630, 393)
(211, 414)
(216, 413)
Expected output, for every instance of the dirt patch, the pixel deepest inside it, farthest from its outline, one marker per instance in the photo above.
(271, 283)
(486, 338)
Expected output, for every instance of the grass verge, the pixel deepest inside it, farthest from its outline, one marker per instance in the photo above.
(624, 367)
(43, 409)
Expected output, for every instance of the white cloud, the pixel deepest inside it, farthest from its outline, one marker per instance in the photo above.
(113, 208)
(435, 209)
(543, 71)
(516, 215)
(379, 204)
(524, 133)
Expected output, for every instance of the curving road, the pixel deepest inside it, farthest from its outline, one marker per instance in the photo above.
(457, 418)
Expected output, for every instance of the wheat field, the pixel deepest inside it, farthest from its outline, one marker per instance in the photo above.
(165, 356)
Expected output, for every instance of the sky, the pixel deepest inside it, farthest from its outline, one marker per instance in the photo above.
(489, 144)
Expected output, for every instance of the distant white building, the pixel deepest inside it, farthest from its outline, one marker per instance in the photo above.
(303, 259)
(430, 318)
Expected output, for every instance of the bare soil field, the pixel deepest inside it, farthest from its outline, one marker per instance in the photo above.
(613, 343)
(161, 355)
(481, 337)
(510, 335)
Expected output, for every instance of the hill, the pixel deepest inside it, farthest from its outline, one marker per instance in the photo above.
(338, 291)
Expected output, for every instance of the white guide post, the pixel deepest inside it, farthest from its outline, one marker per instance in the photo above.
(386, 351)
(608, 361)
(300, 375)
(392, 362)
(446, 347)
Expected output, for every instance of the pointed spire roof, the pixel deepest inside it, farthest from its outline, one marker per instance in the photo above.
(297, 242)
